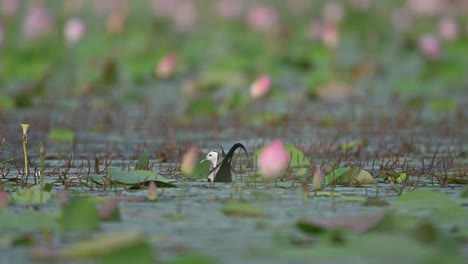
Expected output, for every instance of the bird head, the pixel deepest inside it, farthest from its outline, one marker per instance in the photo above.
(212, 156)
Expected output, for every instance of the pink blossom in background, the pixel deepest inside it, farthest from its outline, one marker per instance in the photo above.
(38, 21)
(190, 160)
(430, 46)
(260, 87)
(262, 18)
(448, 28)
(332, 12)
(229, 9)
(402, 19)
(273, 160)
(166, 66)
(185, 16)
(2, 34)
(330, 35)
(361, 4)
(425, 7)
(164, 8)
(74, 30)
(9, 7)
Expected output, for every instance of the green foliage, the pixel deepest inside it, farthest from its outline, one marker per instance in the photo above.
(61, 134)
(28, 221)
(136, 252)
(242, 209)
(138, 177)
(31, 195)
(202, 169)
(349, 176)
(80, 215)
(143, 162)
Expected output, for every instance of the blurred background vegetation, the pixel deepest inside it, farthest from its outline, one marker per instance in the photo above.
(58, 52)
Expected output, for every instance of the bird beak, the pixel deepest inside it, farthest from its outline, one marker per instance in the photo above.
(201, 161)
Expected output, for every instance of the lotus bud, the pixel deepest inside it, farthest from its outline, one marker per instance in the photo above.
(273, 160)
(260, 87)
(430, 46)
(166, 66)
(189, 161)
(448, 28)
(317, 179)
(262, 18)
(152, 191)
(74, 30)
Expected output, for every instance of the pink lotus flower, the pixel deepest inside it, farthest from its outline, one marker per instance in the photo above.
(262, 18)
(9, 7)
(229, 9)
(273, 160)
(185, 15)
(317, 179)
(2, 34)
(38, 22)
(260, 87)
(430, 46)
(448, 28)
(330, 35)
(332, 12)
(74, 30)
(189, 161)
(426, 7)
(166, 66)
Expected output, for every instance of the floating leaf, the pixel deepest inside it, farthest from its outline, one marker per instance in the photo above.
(137, 252)
(242, 209)
(349, 176)
(100, 245)
(29, 221)
(31, 195)
(357, 223)
(423, 200)
(62, 135)
(80, 215)
(138, 177)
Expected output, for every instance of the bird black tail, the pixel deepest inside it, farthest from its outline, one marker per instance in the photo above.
(224, 172)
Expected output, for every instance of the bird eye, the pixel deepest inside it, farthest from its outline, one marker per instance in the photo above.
(209, 155)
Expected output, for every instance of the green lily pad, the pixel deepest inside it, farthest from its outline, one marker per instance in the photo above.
(202, 169)
(418, 200)
(31, 195)
(62, 135)
(30, 221)
(242, 209)
(138, 177)
(349, 176)
(80, 215)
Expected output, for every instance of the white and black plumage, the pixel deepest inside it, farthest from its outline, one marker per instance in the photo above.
(222, 168)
